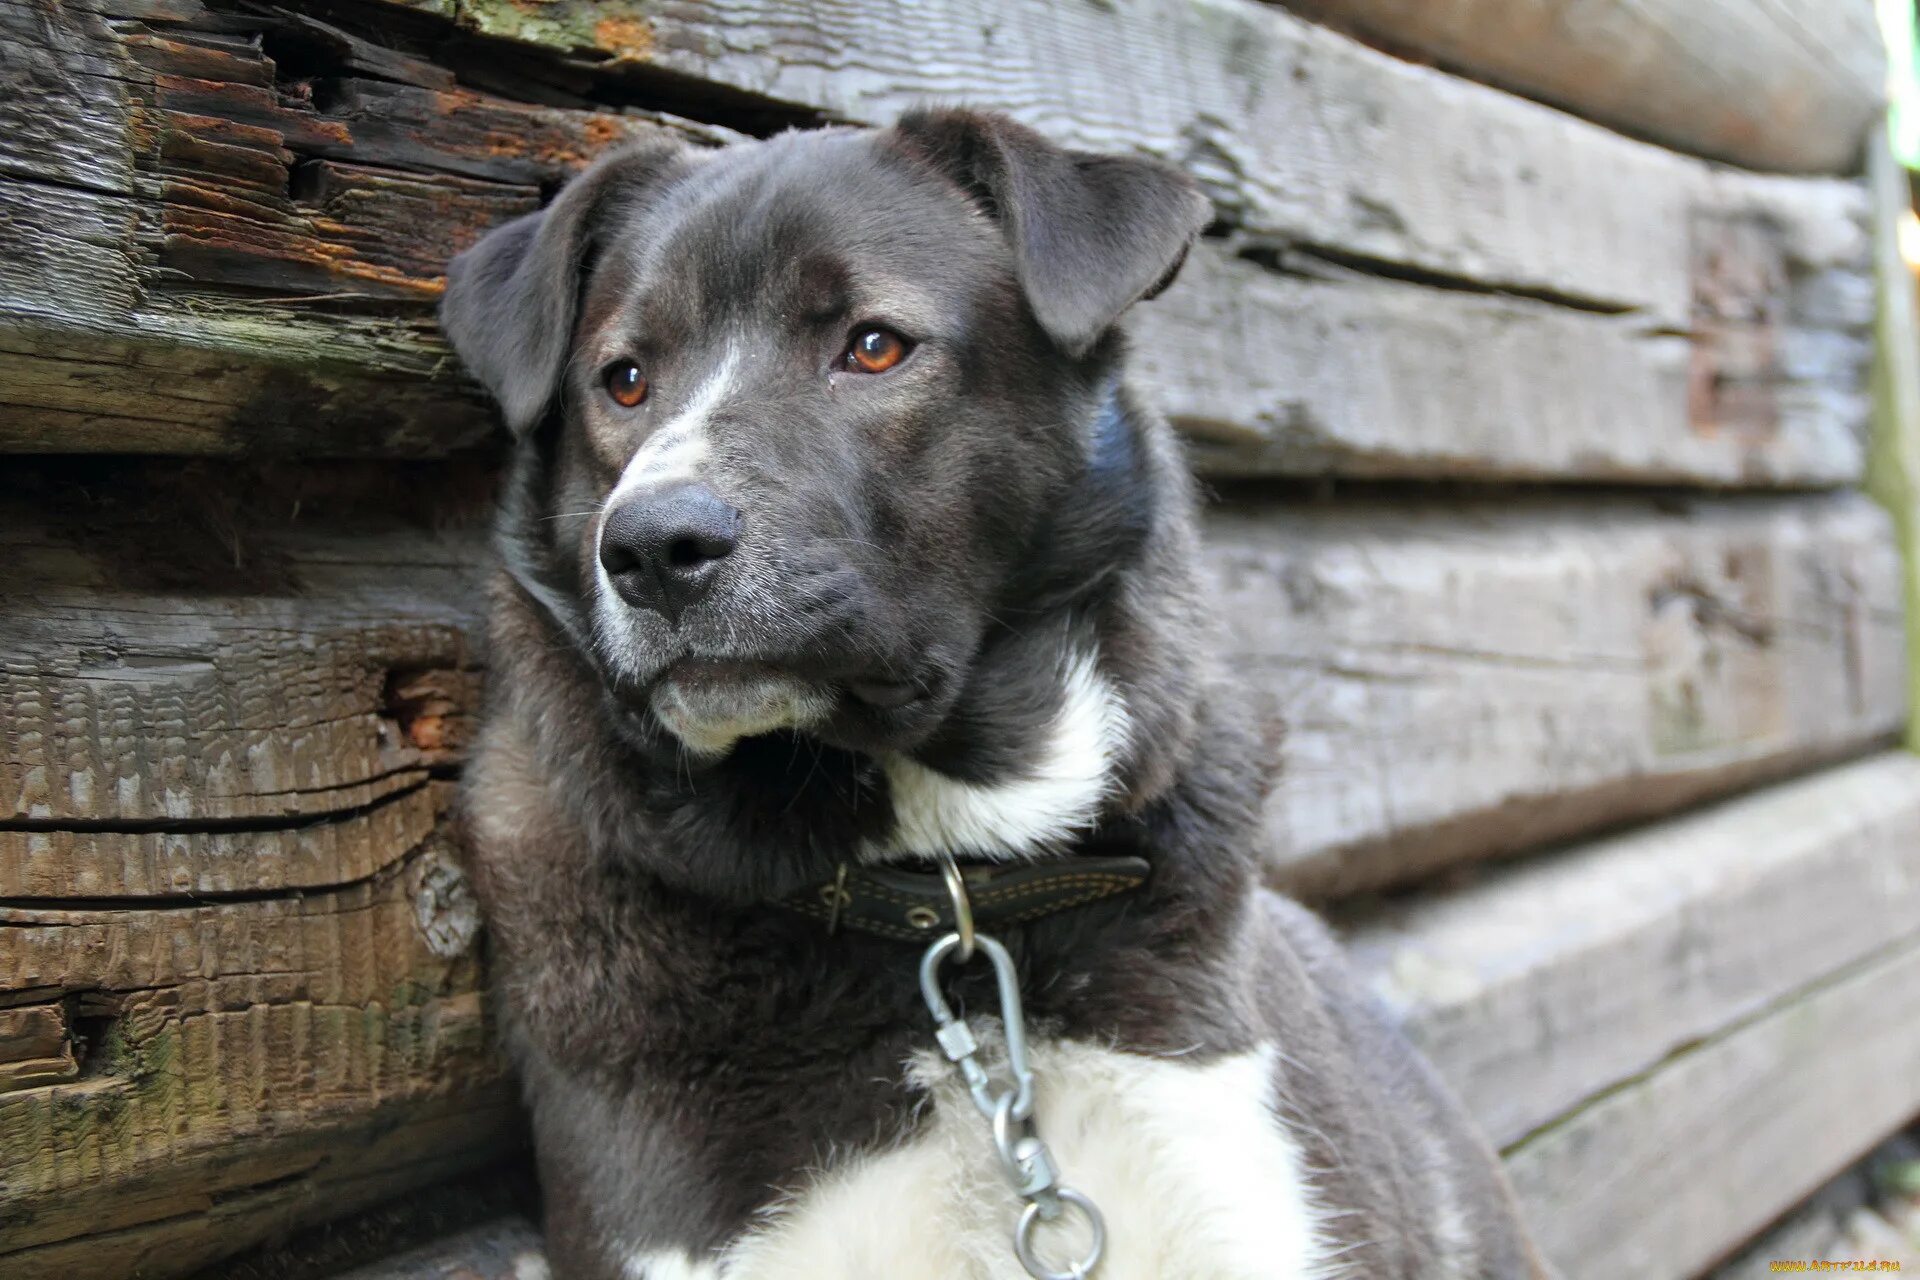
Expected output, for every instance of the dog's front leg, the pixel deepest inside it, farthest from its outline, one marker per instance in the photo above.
(630, 1189)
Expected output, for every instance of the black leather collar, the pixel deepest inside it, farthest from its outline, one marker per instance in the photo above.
(914, 906)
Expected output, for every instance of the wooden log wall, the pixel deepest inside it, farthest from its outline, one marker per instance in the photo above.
(240, 980)
(1537, 434)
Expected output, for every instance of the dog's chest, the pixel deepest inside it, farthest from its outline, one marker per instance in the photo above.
(1194, 1172)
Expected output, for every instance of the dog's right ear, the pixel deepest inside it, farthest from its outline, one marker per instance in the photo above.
(512, 298)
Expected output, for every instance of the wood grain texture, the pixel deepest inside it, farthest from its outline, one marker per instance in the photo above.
(1460, 682)
(1320, 369)
(230, 243)
(242, 1065)
(1668, 1174)
(151, 680)
(240, 986)
(1893, 462)
(1299, 133)
(209, 248)
(1552, 981)
(1791, 85)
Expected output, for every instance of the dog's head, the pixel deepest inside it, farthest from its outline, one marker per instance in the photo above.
(807, 417)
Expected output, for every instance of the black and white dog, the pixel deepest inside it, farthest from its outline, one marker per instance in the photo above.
(835, 543)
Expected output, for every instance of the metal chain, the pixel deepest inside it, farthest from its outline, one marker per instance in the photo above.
(1024, 1157)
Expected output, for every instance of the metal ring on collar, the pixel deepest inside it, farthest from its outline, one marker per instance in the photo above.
(962, 905)
(1023, 1239)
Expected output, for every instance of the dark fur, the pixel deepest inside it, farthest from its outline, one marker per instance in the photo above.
(935, 538)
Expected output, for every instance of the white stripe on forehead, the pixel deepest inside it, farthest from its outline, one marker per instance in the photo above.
(676, 450)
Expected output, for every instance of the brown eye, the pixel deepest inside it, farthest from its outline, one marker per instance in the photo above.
(625, 384)
(876, 350)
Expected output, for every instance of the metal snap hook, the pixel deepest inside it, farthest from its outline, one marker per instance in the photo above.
(1012, 1021)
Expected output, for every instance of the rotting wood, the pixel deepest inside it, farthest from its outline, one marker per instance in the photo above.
(1466, 681)
(227, 238)
(1554, 980)
(1671, 1172)
(242, 1065)
(36, 1045)
(1790, 85)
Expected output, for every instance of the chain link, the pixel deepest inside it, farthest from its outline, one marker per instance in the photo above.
(1008, 1107)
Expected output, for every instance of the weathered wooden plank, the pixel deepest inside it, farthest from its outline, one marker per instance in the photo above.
(205, 251)
(1464, 681)
(234, 252)
(1727, 1135)
(183, 863)
(36, 1046)
(1554, 980)
(1300, 133)
(1844, 1222)
(241, 1066)
(1459, 679)
(1788, 85)
(1317, 369)
(184, 673)
(1893, 464)
(267, 1189)
(1679, 1032)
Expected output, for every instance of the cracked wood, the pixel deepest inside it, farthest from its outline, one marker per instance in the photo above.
(238, 1064)
(165, 672)
(1458, 679)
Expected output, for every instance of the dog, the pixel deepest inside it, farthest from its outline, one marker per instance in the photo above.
(848, 605)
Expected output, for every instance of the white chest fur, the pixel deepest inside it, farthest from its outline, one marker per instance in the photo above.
(1196, 1175)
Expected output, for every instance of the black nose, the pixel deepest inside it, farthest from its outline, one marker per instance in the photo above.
(662, 548)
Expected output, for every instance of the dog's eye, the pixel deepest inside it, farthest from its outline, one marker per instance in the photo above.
(625, 384)
(876, 350)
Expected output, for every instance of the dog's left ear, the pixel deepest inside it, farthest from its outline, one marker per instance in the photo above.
(1092, 234)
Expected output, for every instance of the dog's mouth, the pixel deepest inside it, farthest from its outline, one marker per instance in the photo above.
(712, 703)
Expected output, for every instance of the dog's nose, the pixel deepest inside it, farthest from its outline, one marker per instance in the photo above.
(661, 548)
